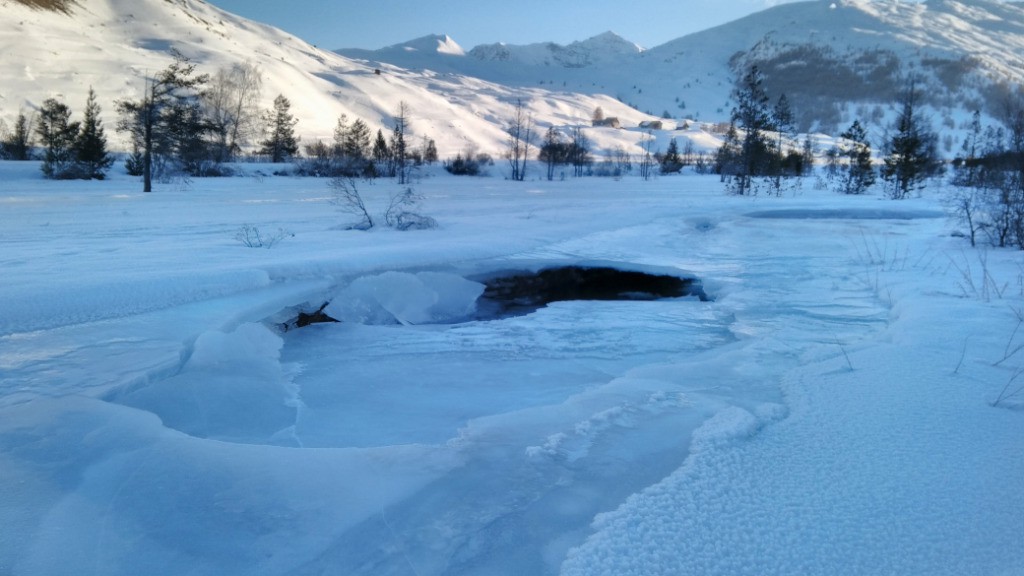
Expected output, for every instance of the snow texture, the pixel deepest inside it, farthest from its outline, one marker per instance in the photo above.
(832, 410)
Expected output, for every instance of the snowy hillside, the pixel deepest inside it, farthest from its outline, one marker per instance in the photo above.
(112, 45)
(828, 56)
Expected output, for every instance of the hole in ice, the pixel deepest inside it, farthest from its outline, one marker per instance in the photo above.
(445, 298)
(303, 319)
(260, 385)
(522, 292)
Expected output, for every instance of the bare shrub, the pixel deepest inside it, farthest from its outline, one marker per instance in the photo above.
(251, 237)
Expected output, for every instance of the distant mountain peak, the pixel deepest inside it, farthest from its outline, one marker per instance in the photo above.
(611, 41)
(445, 45)
(605, 47)
(429, 44)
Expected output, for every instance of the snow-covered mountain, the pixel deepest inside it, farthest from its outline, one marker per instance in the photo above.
(603, 49)
(440, 51)
(59, 48)
(832, 58)
(835, 60)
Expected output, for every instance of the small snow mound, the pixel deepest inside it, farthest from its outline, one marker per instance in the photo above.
(248, 343)
(725, 427)
(406, 298)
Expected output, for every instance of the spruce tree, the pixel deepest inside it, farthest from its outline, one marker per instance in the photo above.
(782, 164)
(281, 144)
(672, 162)
(381, 152)
(430, 151)
(552, 151)
(357, 140)
(91, 145)
(727, 157)
(154, 122)
(398, 154)
(341, 135)
(859, 174)
(753, 116)
(911, 152)
(19, 145)
(57, 135)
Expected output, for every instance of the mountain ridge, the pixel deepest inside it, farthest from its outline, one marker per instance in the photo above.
(864, 48)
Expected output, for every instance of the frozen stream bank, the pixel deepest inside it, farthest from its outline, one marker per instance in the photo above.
(831, 411)
(560, 415)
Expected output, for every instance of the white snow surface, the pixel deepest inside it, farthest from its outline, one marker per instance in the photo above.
(833, 409)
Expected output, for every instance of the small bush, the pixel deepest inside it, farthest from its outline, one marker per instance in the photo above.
(463, 166)
(403, 212)
(251, 237)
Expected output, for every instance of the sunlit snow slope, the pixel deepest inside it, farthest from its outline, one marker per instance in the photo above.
(113, 45)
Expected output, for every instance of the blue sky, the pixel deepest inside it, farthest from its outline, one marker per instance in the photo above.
(377, 23)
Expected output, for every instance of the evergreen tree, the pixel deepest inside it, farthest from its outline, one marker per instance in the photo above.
(911, 152)
(357, 140)
(18, 144)
(91, 145)
(859, 174)
(672, 162)
(398, 154)
(753, 116)
(341, 135)
(430, 151)
(727, 157)
(281, 144)
(154, 120)
(381, 152)
(782, 164)
(188, 137)
(551, 151)
(57, 135)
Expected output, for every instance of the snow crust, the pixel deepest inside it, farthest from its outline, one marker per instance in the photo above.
(832, 411)
(405, 298)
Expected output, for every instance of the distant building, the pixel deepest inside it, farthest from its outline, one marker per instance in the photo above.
(611, 122)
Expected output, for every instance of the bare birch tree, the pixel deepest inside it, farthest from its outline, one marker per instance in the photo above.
(520, 138)
(231, 102)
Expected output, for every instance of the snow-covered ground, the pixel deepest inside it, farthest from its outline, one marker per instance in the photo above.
(833, 410)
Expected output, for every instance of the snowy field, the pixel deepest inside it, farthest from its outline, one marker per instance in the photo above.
(851, 401)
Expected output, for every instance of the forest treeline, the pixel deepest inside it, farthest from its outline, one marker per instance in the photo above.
(189, 124)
